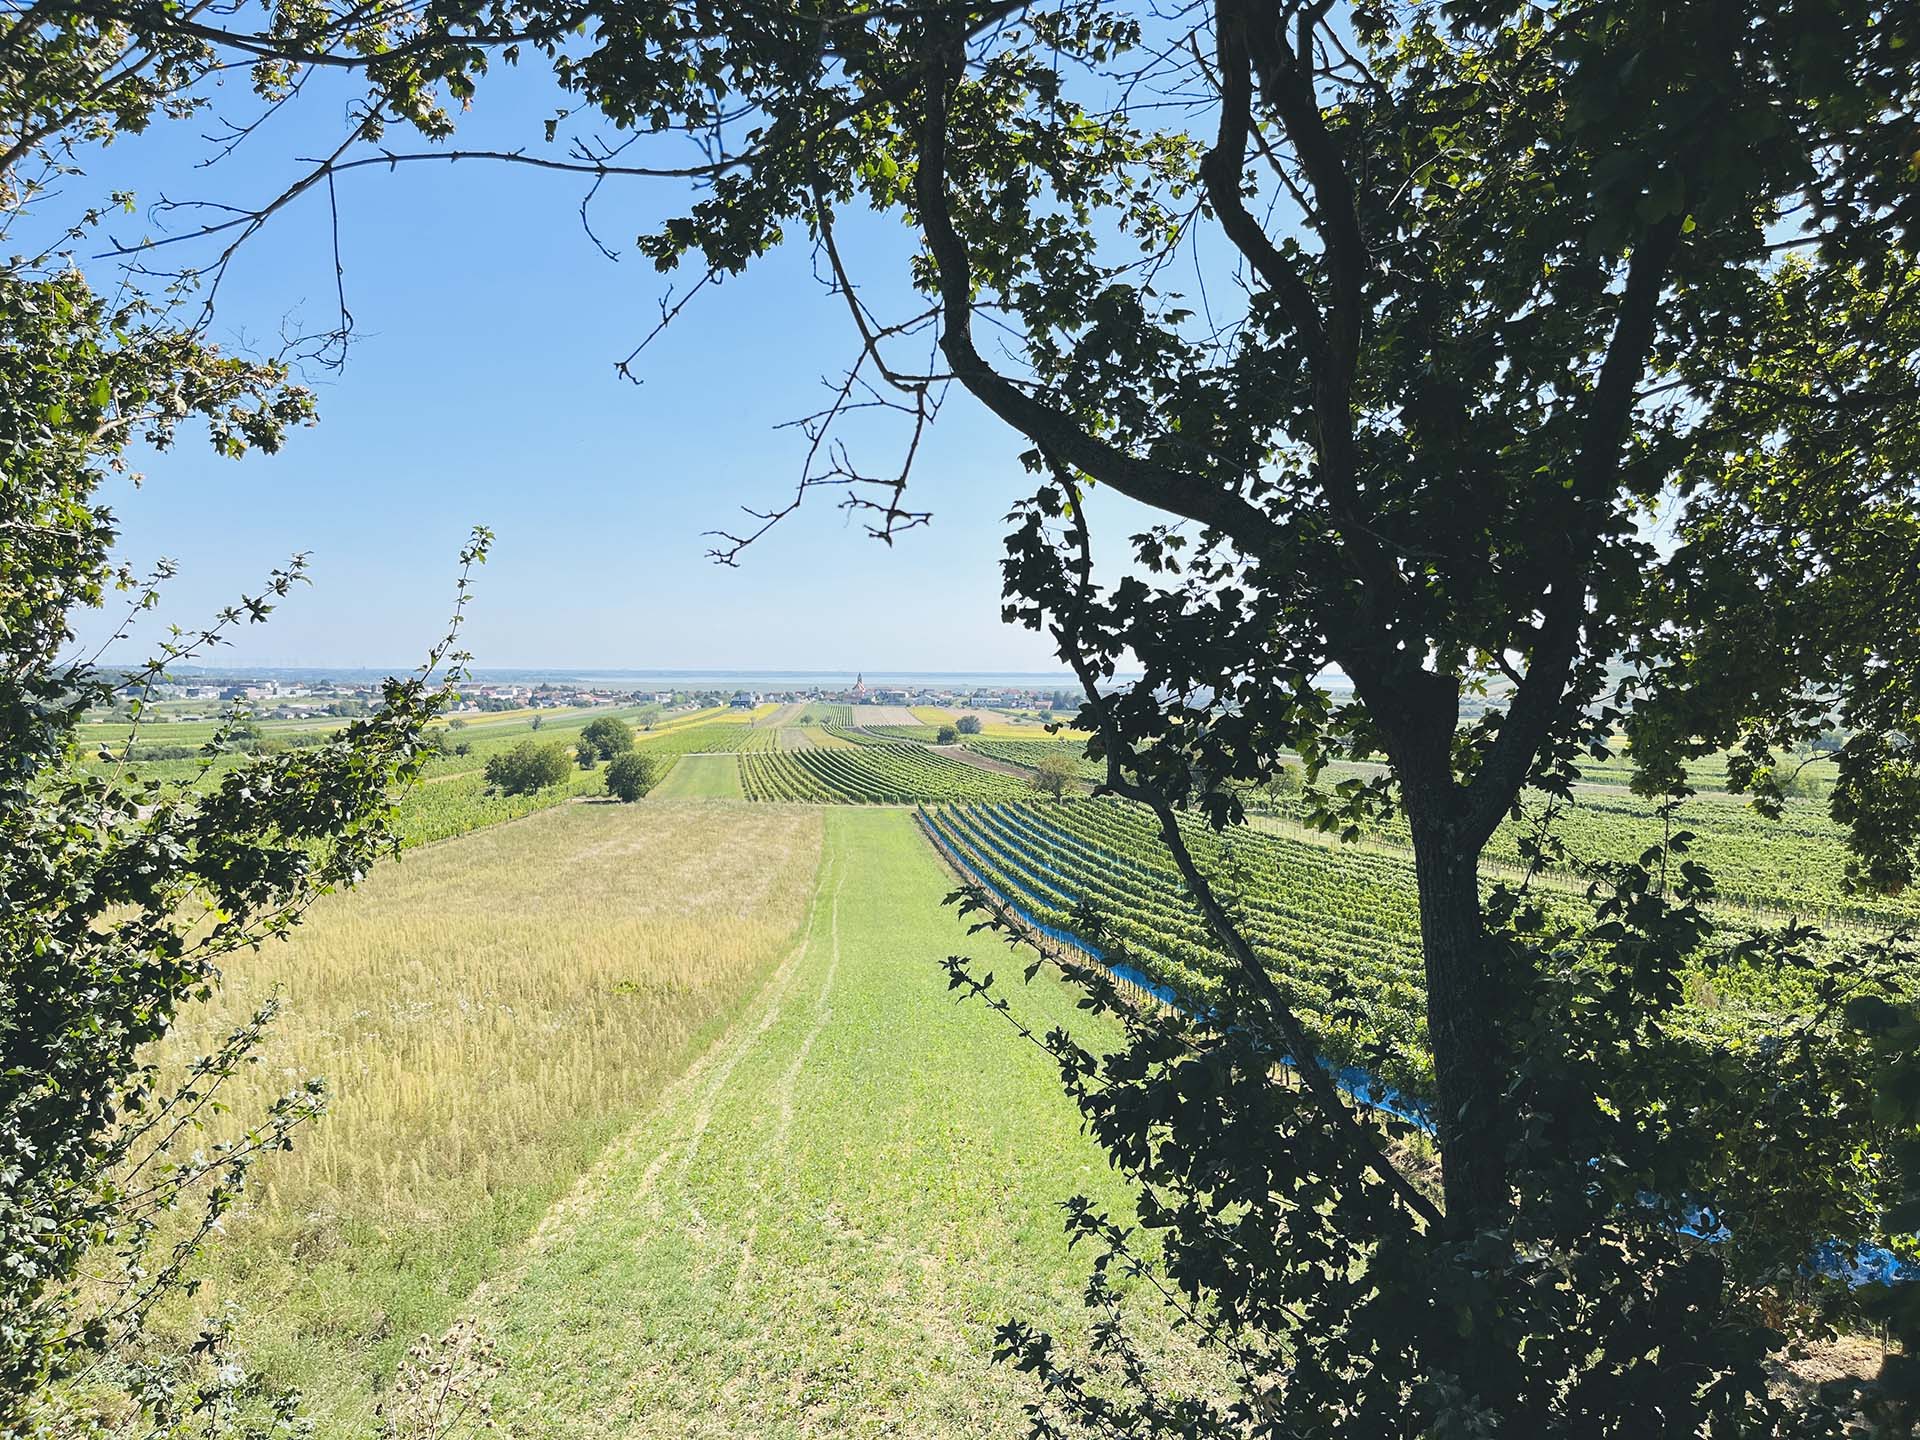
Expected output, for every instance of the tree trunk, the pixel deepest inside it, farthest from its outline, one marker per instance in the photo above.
(1464, 998)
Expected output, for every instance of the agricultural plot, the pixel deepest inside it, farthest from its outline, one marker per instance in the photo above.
(819, 714)
(719, 738)
(700, 777)
(453, 798)
(1338, 930)
(1338, 927)
(923, 734)
(850, 735)
(442, 809)
(1029, 753)
(489, 1014)
(817, 1230)
(894, 774)
(1794, 865)
(1004, 724)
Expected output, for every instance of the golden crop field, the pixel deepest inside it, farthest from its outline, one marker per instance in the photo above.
(1000, 724)
(488, 1013)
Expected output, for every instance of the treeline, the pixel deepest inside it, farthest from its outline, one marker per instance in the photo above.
(534, 765)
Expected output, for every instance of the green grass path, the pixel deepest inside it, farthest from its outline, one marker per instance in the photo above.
(702, 777)
(820, 1226)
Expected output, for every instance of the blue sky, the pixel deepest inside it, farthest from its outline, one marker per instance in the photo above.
(481, 389)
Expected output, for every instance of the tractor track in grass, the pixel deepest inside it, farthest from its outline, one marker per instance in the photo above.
(818, 1228)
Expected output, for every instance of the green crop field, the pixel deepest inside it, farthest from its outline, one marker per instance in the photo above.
(817, 1230)
(888, 774)
(701, 777)
(922, 733)
(1794, 865)
(1028, 753)
(829, 714)
(711, 738)
(1339, 927)
(852, 735)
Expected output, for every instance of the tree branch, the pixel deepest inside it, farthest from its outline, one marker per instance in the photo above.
(1194, 497)
(1539, 698)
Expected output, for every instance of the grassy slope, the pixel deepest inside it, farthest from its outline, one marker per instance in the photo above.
(817, 1231)
(489, 1012)
(702, 777)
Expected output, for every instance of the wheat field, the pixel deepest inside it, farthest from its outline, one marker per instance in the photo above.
(487, 1013)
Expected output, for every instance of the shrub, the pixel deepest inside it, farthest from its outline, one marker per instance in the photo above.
(1054, 775)
(968, 725)
(527, 767)
(586, 754)
(946, 735)
(632, 774)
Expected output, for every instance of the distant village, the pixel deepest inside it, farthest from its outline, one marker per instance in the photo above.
(290, 699)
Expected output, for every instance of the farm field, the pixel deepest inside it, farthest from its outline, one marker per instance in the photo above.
(489, 1013)
(1338, 926)
(713, 737)
(811, 737)
(899, 773)
(670, 1099)
(1028, 753)
(700, 777)
(817, 1230)
(1794, 865)
(1003, 724)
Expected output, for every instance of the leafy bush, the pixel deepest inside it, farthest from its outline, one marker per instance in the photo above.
(631, 774)
(1055, 774)
(968, 725)
(528, 766)
(946, 735)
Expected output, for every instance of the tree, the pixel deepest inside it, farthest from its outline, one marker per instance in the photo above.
(631, 774)
(609, 735)
(528, 766)
(127, 893)
(946, 735)
(586, 754)
(1514, 278)
(1505, 283)
(967, 725)
(1055, 775)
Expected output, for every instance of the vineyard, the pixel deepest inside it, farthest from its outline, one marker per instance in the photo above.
(924, 734)
(710, 739)
(1029, 753)
(1794, 865)
(875, 774)
(1341, 934)
(811, 737)
(1339, 928)
(856, 735)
